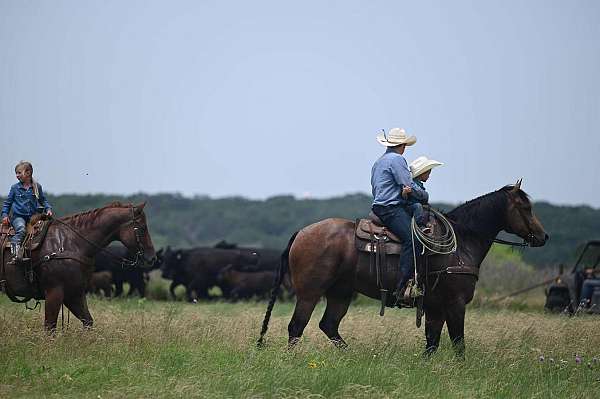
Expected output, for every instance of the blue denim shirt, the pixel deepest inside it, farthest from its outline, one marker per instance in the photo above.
(23, 201)
(389, 174)
(418, 193)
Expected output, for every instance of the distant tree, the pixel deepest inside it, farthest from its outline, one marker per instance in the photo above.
(202, 221)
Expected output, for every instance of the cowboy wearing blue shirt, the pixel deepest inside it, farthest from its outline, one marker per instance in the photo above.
(391, 184)
(25, 199)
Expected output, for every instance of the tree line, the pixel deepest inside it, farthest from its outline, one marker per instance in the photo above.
(202, 221)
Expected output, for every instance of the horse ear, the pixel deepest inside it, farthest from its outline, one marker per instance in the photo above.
(518, 185)
(139, 208)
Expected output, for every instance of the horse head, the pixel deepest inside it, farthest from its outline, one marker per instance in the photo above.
(521, 220)
(135, 236)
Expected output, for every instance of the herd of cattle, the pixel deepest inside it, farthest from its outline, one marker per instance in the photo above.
(239, 273)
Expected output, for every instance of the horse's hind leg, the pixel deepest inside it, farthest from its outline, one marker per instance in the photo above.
(54, 300)
(78, 306)
(338, 300)
(303, 310)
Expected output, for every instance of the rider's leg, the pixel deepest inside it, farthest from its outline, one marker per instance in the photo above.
(20, 226)
(587, 290)
(416, 209)
(397, 219)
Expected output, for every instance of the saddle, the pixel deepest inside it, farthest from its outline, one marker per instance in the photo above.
(380, 249)
(36, 232)
(372, 231)
(23, 278)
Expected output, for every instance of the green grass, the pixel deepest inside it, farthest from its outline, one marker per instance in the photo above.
(145, 348)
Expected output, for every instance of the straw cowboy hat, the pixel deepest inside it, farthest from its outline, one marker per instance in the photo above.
(394, 137)
(422, 165)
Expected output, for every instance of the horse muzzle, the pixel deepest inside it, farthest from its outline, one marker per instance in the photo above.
(537, 241)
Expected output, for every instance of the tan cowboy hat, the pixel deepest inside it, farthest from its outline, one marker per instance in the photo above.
(394, 137)
(422, 165)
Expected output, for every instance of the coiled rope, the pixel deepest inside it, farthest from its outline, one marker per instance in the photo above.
(444, 244)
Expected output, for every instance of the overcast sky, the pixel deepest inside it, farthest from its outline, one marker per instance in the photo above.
(259, 98)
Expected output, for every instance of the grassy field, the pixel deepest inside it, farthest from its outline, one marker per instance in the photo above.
(144, 348)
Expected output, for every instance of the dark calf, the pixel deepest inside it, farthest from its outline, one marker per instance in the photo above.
(101, 281)
(245, 285)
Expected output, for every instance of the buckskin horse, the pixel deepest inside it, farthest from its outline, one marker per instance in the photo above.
(64, 261)
(322, 261)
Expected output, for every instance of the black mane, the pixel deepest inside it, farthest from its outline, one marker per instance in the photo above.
(483, 214)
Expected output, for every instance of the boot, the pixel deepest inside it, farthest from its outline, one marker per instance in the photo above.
(13, 252)
(17, 251)
(400, 291)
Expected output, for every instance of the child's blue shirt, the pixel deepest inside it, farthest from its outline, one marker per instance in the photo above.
(418, 193)
(23, 201)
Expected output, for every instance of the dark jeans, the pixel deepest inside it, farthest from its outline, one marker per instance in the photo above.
(588, 288)
(397, 219)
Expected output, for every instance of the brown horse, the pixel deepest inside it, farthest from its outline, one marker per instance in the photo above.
(64, 262)
(322, 260)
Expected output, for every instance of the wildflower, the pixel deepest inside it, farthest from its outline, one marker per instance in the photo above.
(542, 358)
(312, 365)
(577, 359)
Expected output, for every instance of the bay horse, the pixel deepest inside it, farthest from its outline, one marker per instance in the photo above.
(64, 261)
(322, 261)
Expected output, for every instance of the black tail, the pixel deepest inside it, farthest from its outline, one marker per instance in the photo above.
(283, 269)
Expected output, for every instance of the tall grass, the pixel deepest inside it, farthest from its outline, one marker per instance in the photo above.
(144, 348)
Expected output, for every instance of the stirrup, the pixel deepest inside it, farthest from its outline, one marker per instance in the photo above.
(402, 299)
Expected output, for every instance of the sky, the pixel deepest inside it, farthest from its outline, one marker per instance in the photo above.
(258, 99)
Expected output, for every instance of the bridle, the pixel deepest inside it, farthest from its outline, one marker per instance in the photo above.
(138, 231)
(526, 241)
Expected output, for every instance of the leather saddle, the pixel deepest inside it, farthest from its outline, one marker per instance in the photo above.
(36, 232)
(371, 233)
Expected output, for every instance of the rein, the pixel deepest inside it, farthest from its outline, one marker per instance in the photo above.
(514, 244)
(125, 262)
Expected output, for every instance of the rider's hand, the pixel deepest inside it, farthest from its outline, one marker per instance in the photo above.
(5, 220)
(405, 191)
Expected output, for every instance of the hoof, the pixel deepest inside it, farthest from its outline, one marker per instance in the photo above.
(339, 343)
(292, 342)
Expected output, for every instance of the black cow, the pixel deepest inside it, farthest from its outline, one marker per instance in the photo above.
(134, 275)
(268, 259)
(197, 268)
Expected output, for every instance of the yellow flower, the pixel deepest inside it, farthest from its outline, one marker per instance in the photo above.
(312, 365)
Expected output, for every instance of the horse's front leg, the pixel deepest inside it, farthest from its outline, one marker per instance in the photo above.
(78, 306)
(455, 319)
(54, 300)
(434, 322)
